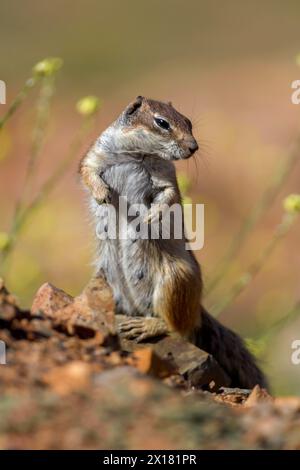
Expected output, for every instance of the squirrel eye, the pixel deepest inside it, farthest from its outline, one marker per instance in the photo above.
(162, 123)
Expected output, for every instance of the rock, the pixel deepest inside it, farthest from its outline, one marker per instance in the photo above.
(74, 376)
(31, 329)
(198, 367)
(89, 315)
(49, 299)
(12, 318)
(94, 307)
(98, 294)
(147, 361)
(8, 305)
(62, 390)
(233, 396)
(258, 395)
(287, 404)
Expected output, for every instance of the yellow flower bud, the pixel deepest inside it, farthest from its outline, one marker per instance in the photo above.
(88, 106)
(291, 204)
(48, 67)
(4, 239)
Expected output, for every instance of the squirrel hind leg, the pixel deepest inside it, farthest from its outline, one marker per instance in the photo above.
(176, 299)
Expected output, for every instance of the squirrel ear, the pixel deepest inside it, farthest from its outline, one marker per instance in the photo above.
(132, 107)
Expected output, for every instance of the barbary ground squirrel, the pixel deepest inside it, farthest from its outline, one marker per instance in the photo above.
(156, 282)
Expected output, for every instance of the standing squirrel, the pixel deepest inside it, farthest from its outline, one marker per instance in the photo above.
(156, 282)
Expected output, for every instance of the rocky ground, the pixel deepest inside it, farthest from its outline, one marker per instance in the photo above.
(71, 383)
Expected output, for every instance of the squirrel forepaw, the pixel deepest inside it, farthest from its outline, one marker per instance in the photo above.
(101, 194)
(140, 329)
(155, 213)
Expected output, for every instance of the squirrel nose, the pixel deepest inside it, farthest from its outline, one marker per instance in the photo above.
(193, 146)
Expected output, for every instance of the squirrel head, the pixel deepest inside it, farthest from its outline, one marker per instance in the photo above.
(149, 127)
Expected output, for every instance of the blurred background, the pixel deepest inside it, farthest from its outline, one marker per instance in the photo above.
(229, 67)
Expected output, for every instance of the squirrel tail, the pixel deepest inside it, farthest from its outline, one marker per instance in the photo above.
(230, 352)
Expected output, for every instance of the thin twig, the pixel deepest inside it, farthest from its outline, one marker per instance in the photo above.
(38, 134)
(257, 213)
(44, 191)
(242, 283)
(29, 84)
(260, 342)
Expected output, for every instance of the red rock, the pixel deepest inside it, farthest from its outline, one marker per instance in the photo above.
(49, 299)
(69, 378)
(198, 367)
(89, 315)
(148, 362)
(9, 309)
(258, 395)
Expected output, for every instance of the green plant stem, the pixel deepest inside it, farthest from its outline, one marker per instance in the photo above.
(38, 133)
(260, 342)
(22, 95)
(42, 119)
(244, 281)
(259, 210)
(282, 322)
(44, 191)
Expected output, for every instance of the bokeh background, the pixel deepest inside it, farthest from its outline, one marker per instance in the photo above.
(228, 66)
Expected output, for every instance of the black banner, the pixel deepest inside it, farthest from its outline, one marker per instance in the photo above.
(134, 459)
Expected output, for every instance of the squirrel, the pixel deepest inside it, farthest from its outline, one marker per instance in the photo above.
(156, 282)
